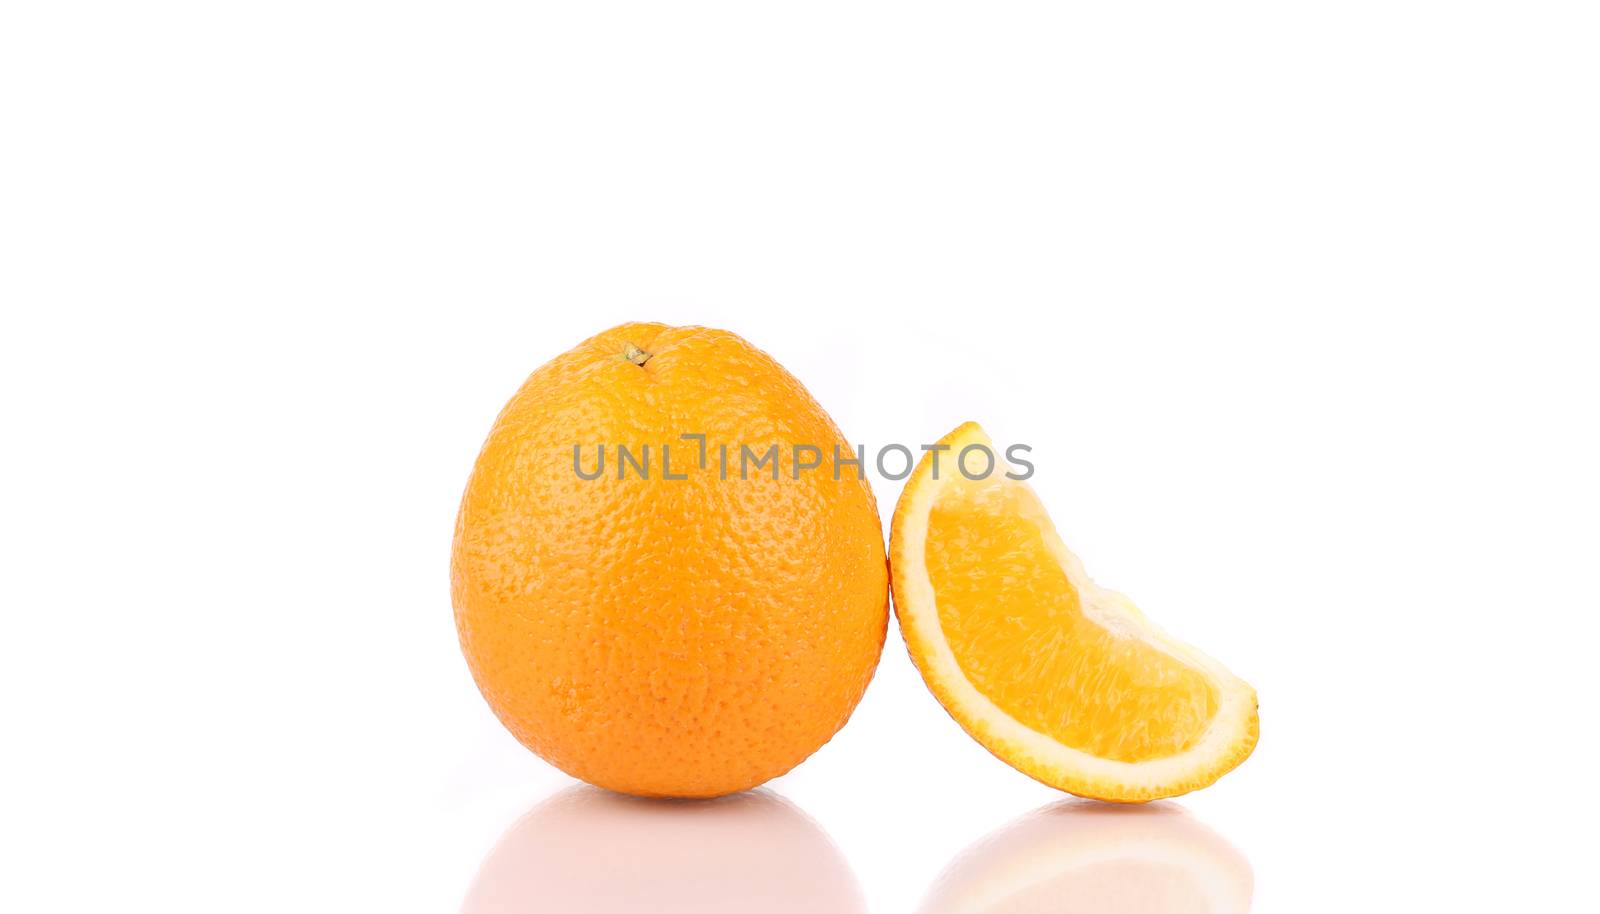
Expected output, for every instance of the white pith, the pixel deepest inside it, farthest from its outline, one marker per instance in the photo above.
(1236, 700)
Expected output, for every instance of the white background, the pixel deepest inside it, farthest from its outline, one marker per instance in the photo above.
(1295, 302)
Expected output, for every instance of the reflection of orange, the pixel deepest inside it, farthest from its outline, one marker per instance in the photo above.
(598, 853)
(678, 637)
(1076, 857)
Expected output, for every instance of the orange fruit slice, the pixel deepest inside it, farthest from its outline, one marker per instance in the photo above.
(1066, 682)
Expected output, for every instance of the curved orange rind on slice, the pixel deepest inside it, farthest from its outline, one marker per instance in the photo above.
(1066, 682)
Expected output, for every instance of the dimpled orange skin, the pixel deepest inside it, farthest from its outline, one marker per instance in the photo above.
(667, 637)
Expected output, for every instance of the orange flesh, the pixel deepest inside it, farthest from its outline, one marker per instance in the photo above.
(1017, 628)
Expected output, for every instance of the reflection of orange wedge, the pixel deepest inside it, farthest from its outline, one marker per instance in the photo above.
(1064, 681)
(1080, 858)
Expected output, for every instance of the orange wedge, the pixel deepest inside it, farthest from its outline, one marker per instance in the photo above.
(1064, 681)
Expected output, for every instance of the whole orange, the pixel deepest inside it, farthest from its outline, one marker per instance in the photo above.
(694, 620)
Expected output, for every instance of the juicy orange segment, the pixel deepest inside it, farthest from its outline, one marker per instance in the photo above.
(1063, 680)
(1032, 649)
